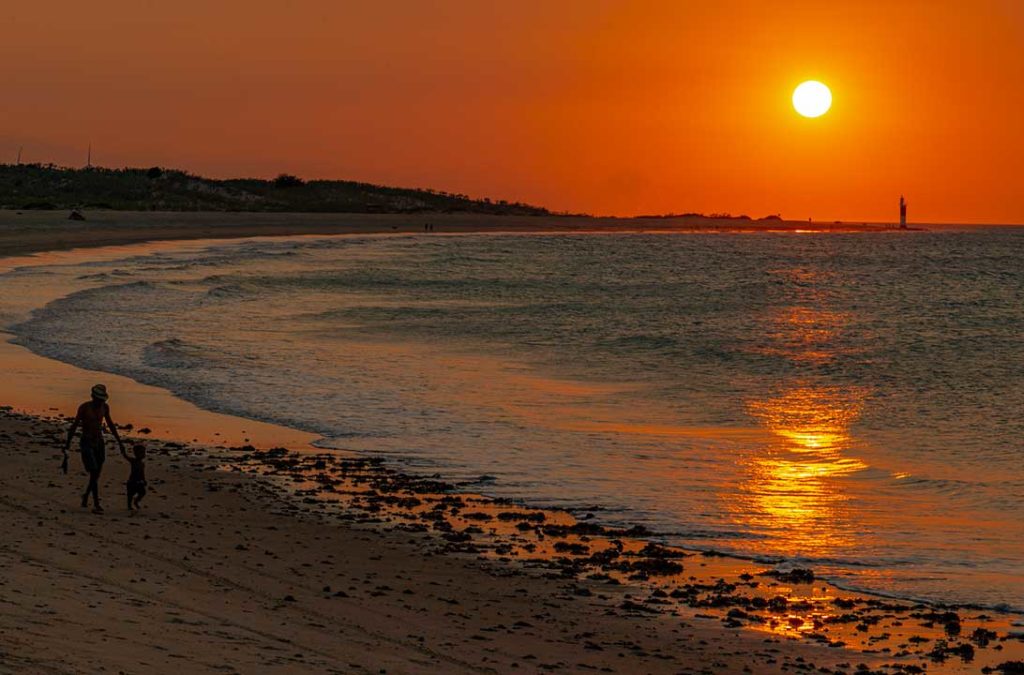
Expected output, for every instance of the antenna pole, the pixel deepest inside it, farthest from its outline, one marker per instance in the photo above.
(20, 148)
(88, 159)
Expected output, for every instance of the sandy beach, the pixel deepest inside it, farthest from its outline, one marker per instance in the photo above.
(31, 231)
(217, 574)
(248, 561)
(255, 552)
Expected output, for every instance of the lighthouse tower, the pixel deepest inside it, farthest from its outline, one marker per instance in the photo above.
(903, 213)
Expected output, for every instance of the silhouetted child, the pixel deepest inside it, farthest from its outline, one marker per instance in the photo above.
(136, 485)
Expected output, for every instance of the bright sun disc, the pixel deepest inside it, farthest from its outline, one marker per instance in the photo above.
(812, 99)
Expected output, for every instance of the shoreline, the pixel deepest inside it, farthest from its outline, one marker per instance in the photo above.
(171, 418)
(632, 580)
(25, 232)
(165, 410)
(239, 427)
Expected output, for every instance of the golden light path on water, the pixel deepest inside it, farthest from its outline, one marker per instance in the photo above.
(793, 489)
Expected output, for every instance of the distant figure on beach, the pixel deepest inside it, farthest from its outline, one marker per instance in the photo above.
(91, 416)
(136, 485)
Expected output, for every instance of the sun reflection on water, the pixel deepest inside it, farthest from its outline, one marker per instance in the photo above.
(793, 491)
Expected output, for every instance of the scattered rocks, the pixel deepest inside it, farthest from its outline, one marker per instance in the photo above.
(982, 636)
(569, 550)
(650, 566)
(533, 516)
(631, 606)
(1007, 668)
(797, 575)
(943, 651)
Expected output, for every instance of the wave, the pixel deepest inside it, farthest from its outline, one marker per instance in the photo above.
(173, 353)
(643, 342)
(437, 371)
(230, 292)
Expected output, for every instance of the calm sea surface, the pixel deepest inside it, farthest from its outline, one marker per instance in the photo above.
(850, 401)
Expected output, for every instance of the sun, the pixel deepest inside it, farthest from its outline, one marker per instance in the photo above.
(812, 99)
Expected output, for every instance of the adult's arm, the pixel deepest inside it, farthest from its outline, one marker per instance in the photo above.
(112, 427)
(72, 430)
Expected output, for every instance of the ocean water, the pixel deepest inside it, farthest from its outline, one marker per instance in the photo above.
(852, 402)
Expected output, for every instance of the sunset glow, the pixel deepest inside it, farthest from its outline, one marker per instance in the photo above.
(609, 108)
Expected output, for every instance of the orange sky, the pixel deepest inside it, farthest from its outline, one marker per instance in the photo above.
(583, 105)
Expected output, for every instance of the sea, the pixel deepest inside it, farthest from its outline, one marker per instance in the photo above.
(850, 402)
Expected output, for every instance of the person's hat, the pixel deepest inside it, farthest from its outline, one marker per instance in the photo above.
(99, 392)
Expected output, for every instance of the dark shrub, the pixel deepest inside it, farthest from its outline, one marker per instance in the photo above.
(288, 181)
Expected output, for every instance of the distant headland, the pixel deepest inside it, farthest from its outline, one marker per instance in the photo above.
(43, 188)
(49, 187)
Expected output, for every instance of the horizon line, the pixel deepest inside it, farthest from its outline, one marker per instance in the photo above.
(554, 213)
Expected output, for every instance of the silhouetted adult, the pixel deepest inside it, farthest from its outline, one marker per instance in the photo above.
(91, 416)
